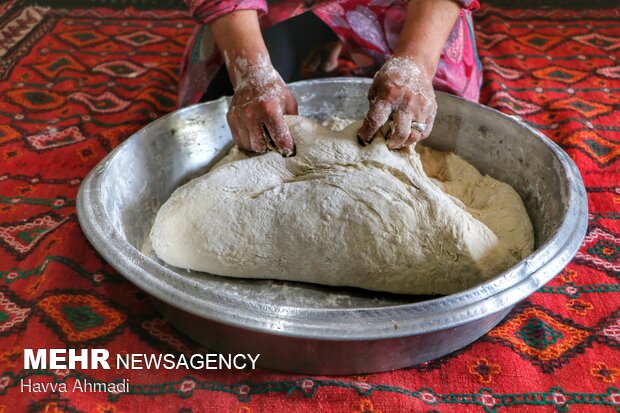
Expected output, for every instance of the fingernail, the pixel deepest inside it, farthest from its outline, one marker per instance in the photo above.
(286, 152)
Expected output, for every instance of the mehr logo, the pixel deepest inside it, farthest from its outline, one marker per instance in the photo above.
(62, 358)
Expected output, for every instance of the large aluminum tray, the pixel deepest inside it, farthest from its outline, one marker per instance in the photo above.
(313, 329)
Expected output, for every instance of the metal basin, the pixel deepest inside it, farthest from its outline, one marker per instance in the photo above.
(322, 330)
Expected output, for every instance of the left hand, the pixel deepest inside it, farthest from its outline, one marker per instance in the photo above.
(401, 98)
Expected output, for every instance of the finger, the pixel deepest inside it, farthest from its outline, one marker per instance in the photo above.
(280, 135)
(418, 136)
(313, 60)
(419, 111)
(308, 58)
(238, 134)
(257, 138)
(372, 93)
(401, 130)
(330, 58)
(414, 137)
(243, 140)
(375, 118)
(429, 113)
(290, 105)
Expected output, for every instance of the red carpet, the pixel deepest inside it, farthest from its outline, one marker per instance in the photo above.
(76, 82)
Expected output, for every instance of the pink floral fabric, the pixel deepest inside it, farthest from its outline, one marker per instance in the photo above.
(369, 30)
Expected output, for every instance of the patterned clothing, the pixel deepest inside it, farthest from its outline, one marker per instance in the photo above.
(369, 30)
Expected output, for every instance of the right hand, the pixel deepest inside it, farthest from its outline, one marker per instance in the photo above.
(256, 113)
(401, 95)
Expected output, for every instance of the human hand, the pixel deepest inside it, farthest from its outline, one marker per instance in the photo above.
(321, 59)
(256, 113)
(402, 99)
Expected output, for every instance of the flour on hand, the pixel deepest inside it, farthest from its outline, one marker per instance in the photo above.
(415, 221)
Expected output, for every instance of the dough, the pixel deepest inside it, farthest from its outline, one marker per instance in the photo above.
(341, 214)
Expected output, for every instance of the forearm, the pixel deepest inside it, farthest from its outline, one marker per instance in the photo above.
(238, 37)
(426, 30)
(261, 99)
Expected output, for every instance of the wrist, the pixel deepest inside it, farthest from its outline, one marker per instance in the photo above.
(239, 38)
(247, 67)
(254, 72)
(427, 64)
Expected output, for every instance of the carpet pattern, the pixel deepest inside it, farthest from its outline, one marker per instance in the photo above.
(76, 82)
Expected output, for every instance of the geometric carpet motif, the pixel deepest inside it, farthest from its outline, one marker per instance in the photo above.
(80, 317)
(603, 150)
(542, 337)
(54, 139)
(79, 78)
(540, 41)
(35, 100)
(19, 238)
(12, 314)
(62, 63)
(601, 248)
(606, 43)
(560, 74)
(120, 68)
(609, 331)
(107, 102)
(140, 38)
(7, 134)
(83, 38)
(505, 100)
